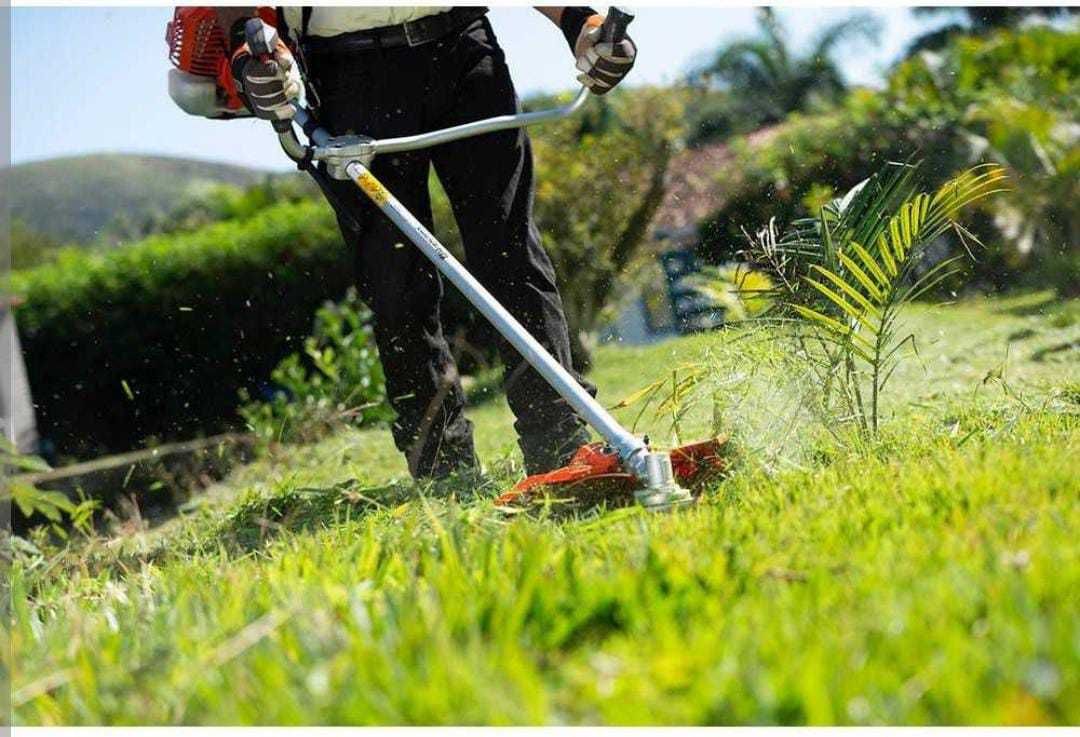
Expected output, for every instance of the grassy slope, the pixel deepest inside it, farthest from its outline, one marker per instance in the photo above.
(932, 577)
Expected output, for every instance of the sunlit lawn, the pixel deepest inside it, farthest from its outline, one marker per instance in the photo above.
(930, 576)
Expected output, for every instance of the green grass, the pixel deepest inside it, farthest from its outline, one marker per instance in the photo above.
(930, 576)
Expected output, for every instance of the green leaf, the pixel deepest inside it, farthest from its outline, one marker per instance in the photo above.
(30, 500)
(871, 264)
(896, 238)
(849, 290)
(846, 307)
(859, 345)
(856, 271)
(886, 255)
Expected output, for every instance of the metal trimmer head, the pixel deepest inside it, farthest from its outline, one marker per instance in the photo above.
(661, 492)
(596, 475)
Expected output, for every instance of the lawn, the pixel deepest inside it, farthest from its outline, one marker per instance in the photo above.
(928, 576)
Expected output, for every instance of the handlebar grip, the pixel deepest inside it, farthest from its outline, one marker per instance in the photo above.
(261, 38)
(615, 22)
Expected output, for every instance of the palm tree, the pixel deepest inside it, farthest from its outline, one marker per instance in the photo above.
(765, 80)
(850, 271)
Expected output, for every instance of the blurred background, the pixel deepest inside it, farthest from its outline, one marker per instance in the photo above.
(172, 275)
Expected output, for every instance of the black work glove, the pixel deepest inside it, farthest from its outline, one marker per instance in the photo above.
(602, 65)
(270, 86)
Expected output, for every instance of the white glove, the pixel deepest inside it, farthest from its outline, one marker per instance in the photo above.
(270, 86)
(602, 65)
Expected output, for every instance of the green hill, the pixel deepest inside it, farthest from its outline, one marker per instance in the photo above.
(75, 198)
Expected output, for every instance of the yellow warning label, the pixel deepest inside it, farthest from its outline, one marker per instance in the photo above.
(373, 188)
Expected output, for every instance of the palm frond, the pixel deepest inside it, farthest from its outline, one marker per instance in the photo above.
(864, 301)
(746, 63)
(773, 31)
(871, 265)
(860, 25)
(841, 333)
(869, 285)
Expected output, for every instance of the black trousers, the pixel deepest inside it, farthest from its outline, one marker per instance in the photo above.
(489, 181)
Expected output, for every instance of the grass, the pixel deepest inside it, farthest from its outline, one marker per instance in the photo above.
(929, 576)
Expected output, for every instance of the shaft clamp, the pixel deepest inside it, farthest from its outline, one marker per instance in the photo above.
(341, 151)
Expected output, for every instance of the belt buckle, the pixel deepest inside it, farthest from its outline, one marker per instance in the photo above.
(408, 35)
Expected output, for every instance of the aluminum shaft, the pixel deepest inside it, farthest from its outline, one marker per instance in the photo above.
(632, 451)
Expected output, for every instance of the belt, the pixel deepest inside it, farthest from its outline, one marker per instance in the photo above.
(414, 33)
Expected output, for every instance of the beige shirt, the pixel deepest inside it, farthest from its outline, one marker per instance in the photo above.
(332, 21)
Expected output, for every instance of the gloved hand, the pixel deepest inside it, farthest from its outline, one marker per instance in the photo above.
(602, 65)
(270, 86)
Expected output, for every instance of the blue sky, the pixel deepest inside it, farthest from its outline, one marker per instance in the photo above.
(108, 92)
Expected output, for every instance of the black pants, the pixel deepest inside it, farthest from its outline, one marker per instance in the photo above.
(489, 181)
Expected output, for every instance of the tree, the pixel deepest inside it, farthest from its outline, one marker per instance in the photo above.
(1007, 97)
(600, 181)
(29, 247)
(600, 177)
(765, 80)
(980, 20)
(1010, 97)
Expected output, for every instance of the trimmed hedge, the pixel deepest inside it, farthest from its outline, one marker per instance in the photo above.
(155, 340)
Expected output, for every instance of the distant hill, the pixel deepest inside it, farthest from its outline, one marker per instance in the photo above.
(74, 198)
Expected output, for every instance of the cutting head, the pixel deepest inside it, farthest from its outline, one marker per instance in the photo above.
(595, 474)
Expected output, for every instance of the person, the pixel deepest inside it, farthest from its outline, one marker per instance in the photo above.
(392, 71)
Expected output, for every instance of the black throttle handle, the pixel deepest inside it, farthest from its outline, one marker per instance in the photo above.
(261, 39)
(613, 29)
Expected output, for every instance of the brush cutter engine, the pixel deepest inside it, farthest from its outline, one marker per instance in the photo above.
(201, 83)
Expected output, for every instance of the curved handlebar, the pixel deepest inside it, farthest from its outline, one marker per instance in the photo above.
(487, 125)
(326, 146)
(331, 149)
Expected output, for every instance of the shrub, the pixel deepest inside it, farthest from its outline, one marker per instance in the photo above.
(29, 247)
(738, 291)
(215, 204)
(809, 155)
(1008, 97)
(336, 381)
(600, 179)
(157, 338)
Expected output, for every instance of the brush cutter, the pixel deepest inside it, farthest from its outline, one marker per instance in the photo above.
(624, 462)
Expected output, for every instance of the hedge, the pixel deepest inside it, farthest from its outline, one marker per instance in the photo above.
(155, 339)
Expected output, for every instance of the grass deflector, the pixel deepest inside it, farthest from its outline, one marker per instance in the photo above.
(596, 473)
(658, 479)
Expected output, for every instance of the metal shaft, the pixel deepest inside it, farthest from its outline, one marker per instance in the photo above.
(631, 450)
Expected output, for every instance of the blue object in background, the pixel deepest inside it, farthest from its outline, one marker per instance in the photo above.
(693, 312)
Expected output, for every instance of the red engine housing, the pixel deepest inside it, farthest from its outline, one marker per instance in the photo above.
(197, 45)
